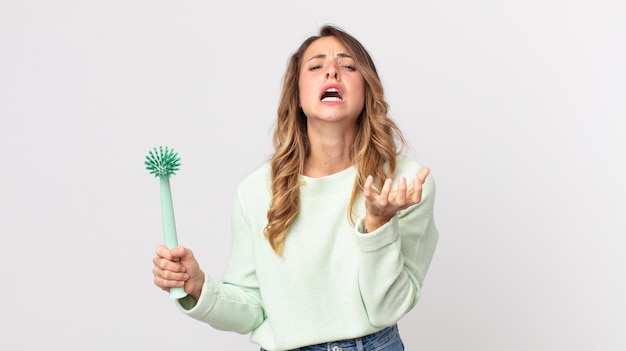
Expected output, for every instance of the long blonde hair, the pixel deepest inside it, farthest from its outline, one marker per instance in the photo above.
(374, 151)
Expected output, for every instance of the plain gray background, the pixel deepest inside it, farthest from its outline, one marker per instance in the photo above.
(518, 107)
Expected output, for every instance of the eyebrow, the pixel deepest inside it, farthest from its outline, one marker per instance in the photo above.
(321, 56)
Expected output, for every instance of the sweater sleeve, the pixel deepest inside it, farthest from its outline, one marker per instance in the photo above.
(234, 305)
(394, 259)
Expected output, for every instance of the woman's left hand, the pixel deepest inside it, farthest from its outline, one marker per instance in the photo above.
(380, 207)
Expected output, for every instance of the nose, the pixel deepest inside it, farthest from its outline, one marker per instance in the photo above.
(332, 72)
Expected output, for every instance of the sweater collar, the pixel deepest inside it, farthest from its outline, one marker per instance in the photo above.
(331, 185)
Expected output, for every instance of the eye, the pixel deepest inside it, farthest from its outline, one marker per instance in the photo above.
(347, 63)
(314, 67)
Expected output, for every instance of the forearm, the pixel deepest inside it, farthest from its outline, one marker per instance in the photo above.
(388, 287)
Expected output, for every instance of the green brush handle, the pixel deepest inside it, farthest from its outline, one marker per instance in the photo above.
(164, 163)
(169, 228)
(167, 215)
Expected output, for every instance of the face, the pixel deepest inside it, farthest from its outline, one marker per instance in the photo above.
(331, 88)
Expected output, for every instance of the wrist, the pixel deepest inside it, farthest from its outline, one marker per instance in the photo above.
(196, 289)
(373, 223)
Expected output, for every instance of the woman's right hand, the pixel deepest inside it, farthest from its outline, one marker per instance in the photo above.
(177, 267)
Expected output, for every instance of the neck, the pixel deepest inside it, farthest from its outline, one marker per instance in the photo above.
(330, 150)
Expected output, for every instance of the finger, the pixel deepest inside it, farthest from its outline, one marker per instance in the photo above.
(417, 185)
(165, 279)
(163, 252)
(422, 174)
(415, 190)
(172, 276)
(367, 186)
(165, 264)
(165, 284)
(177, 254)
(401, 191)
(185, 255)
(384, 193)
(181, 251)
(159, 282)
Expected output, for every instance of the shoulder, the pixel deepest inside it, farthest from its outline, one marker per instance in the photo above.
(409, 167)
(256, 180)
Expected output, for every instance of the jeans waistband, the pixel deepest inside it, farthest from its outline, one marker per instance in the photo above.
(362, 343)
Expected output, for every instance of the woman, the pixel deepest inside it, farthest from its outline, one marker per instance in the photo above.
(331, 242)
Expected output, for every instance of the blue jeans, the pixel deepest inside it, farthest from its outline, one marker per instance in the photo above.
(387, 339)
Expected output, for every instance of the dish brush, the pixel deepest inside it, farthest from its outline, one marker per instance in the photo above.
(164, 163)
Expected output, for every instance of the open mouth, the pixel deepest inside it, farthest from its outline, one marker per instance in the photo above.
(331, 94)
